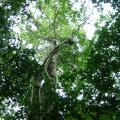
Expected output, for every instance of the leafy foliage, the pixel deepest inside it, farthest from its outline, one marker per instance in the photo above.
(15, 63)
(88, 73)
(98, 84)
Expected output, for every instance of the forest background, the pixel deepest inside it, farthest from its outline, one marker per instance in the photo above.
(50, 69)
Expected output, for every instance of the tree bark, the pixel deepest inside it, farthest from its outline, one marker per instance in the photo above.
(43, 104)
(44, 98)
(35, 98)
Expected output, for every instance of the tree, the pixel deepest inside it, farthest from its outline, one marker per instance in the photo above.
(57, 27)
(21, 62)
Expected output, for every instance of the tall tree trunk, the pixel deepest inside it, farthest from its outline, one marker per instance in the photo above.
(35, 97)
(44, 97)
(51, 110)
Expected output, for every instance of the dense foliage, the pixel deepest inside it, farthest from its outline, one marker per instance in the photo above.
(88, 73)
(15, 63)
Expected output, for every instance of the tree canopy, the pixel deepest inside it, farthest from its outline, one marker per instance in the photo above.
(50, 70)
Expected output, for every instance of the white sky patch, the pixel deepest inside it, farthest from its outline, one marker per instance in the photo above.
(95, 16)
(61, 92)
(33, 27)
(36, 12)
(76, 5)
(17, 108)
(92, 14)
(107, 9)
(80, 97)
(89, 29)
(16, 29)
(29, 45)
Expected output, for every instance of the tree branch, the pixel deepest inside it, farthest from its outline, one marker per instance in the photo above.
(55, 51)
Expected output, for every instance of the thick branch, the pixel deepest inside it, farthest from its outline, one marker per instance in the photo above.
(55, 51)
